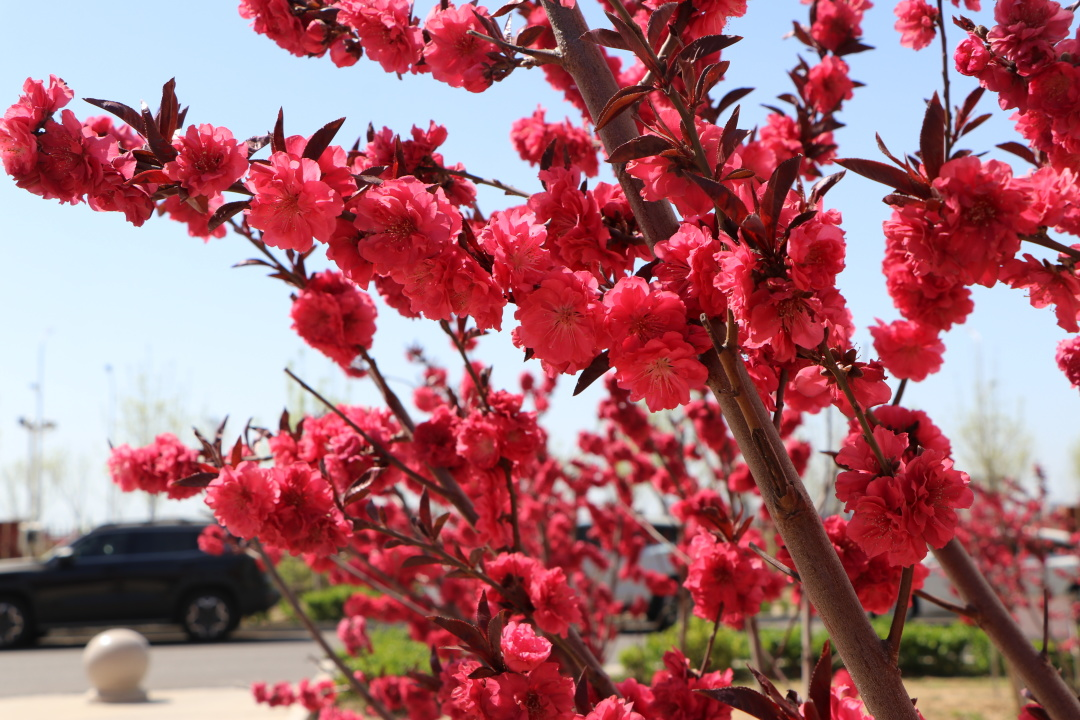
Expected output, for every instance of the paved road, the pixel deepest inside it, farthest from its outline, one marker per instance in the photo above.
(55, 665)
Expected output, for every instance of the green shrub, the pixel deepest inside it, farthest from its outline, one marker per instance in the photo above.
(933, 650)
(328, 604)
(393, 652)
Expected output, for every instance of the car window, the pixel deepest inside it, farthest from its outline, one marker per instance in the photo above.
(105, 544)
(164, 541)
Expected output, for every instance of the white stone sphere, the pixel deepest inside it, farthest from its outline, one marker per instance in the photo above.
(116, 662)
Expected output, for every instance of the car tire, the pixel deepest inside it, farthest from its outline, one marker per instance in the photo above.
(16, 625)
(208, 616)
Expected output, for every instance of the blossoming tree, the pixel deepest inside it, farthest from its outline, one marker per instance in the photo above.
(702, 283)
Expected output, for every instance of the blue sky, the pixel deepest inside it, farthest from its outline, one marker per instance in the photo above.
(94, 292)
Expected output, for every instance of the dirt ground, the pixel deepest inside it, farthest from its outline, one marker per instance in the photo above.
(956, 699)
(964, 698)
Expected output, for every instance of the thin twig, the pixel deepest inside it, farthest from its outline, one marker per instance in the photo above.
(961, 610)
(355, 684)
(515, 526)
(896, 629)
(842, 383)
(508, 189)
(794, 575)
(900, 391)
(778, 415)
(1043, 240)
(712, 639)
(546, 57)
(481, 388)
(379, 448)
(945, 79)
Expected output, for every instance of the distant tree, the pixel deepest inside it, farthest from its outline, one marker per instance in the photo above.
(993, 444)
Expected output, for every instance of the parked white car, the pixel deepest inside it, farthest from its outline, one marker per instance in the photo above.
(1060, 574)
(661, 610)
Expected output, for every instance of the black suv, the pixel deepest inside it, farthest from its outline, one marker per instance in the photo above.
(131, 574)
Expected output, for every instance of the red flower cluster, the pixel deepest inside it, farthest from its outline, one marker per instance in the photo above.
(69, 161)
(333, 316)
(910, 501)
(156, 467)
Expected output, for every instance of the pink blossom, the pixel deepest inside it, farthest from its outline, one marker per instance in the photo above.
(661, 371)
(555, 606)
(837, 24)
(613, 708)
(386, 30)
(1068, 359)
(352, 631)
(403, 223)
(532, 136)
(455, 57)
(1027, 31)
(335, 317)
(724, 580)
(274, 18)
(209, 160)
(562, 321)
(828, 84)
(908, 349)
(242, 498)
(292, 205)
(916, 23)
(523, 650)
(516, 242)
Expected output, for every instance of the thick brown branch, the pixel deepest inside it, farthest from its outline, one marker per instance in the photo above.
(585, 63)
(1041, 678)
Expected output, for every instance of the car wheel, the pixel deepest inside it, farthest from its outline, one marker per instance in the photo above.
(208, 616)
(16, 627)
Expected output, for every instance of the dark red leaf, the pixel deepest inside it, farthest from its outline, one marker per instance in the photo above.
(732, 97)
(322, 139)
(974, 124)
(581, 694)
(658, 21)
(508, 7)
(749, 701)
(594, 372)
(964, 111)
(642, 146)
(620, 101)
(824, 185)
(420, 560)
(780, 183)
(706, 45)
(151, 176)
(256, 143)
(122, 111)
(251, 261)
(168, 119)
(607, 38)
(887, 175)
(198, 480)
(728, 202)
(163, 151)
(474, 639)
(225, 212)
(277, 138)
(932, 138)
(634, 40)
(1022, 151)
(530, 35)
(820, 682)
(730, 137)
